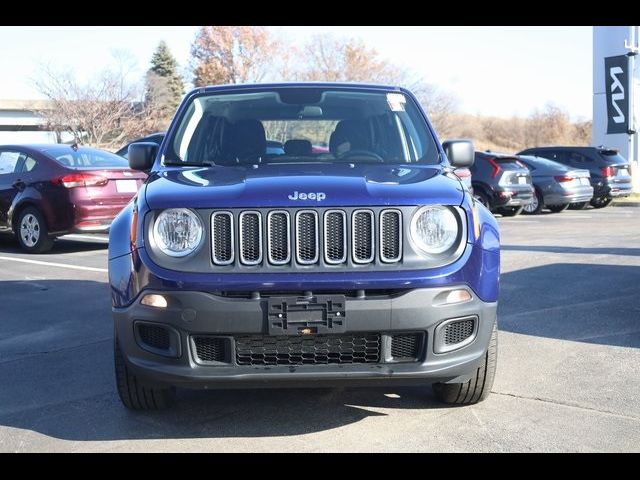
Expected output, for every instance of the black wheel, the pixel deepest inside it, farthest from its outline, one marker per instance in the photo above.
(578, 206)
(133, 393)
(478, 387)
(510, 211)
(481, 198)
(558, 208)
(536, 204)
(31, 231)
(600, 202)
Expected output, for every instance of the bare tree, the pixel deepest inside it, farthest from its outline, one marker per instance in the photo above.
(230, 54)
(332, 59)
(104, 112)
(439, 104)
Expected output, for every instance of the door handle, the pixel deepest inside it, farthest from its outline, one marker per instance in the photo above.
(19, 184)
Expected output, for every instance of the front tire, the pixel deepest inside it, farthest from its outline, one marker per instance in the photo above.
(482, 198)
(134, 394)
(31, 231)
(478, 387)
(601, 202)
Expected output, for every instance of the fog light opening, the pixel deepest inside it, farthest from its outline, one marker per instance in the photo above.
(154, 300)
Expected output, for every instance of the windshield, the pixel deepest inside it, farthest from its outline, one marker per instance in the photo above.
(84, 157)
(301, 125)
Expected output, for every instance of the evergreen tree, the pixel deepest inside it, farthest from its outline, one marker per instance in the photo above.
(164, 84)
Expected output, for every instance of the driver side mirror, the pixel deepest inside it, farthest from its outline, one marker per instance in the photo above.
(461, 153)
(142, 155)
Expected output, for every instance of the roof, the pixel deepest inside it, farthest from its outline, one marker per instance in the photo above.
(266, 86)
(27, 105)
(41, 147)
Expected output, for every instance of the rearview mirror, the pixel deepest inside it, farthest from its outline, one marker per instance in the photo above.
(460, 153)
(142, 155)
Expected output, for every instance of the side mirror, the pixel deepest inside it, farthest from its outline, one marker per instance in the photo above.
(142, 155)
(460, 153)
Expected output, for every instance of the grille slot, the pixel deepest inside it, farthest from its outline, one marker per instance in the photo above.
(406, 346)
(390, 236)
(278, 237)
(335, 236)
(362, 236)
(307, 237)
(210, 349)
(458, 331)
(154, 336)
(309, 350)
(222, 238)
(250, 238)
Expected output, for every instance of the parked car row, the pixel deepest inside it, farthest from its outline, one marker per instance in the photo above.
(554, 178)
(51, 190)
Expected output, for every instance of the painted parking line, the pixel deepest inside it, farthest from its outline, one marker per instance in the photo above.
(53, 264)
(74, 236)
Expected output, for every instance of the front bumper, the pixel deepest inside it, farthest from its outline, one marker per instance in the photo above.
(198, 313)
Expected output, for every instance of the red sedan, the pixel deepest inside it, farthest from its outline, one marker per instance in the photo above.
(51, 190)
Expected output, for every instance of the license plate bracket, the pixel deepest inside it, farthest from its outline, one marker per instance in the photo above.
(307, 315)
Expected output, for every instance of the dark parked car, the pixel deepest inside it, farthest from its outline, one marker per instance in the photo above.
(51, 190)
(609, 170)
(556, 185)
(153, 138)
(367, 264)
(501, 183)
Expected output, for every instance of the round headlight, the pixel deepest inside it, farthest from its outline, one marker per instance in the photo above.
(434, 229)
(177, 232)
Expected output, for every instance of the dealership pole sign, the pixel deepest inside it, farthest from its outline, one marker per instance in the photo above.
(616, 71)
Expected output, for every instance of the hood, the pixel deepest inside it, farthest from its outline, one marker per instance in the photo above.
(302, 186)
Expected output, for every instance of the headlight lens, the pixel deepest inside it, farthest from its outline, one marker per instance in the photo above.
(177, 232)
(434, 229)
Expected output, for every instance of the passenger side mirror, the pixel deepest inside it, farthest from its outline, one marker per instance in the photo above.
(460, 153)
(142, 155)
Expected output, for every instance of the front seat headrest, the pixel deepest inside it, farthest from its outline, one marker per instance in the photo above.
(297, 147)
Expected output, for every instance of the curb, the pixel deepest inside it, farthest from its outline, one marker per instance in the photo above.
(625, 204)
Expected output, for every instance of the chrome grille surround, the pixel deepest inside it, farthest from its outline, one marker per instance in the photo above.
(331, 244)
(273, 237)
(390, 245)
(363, 236)
(307, 242)
(219, 238)
(250, 248)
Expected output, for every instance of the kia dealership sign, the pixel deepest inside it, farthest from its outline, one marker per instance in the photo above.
(617, 82)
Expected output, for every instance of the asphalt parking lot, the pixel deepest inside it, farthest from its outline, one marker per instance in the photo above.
(568, 371)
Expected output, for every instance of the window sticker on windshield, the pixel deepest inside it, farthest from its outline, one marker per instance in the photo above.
(396, 102)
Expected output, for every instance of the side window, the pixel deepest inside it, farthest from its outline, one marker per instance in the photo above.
(8, 162)
(578, 159)
(29, 164)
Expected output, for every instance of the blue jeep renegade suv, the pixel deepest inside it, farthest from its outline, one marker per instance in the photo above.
(351, 256)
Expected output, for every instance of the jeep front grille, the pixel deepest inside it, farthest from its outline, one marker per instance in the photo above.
(335, 236)
(222, 238)
(250, 238)
(279, 237)
(305, 238)
(390, 236)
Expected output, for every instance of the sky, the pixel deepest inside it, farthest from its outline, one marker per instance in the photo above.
(501, 71)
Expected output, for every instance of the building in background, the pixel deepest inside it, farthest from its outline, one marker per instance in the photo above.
(20, 122)
(616, 93)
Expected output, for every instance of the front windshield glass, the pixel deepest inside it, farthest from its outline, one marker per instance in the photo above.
(301, 125)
